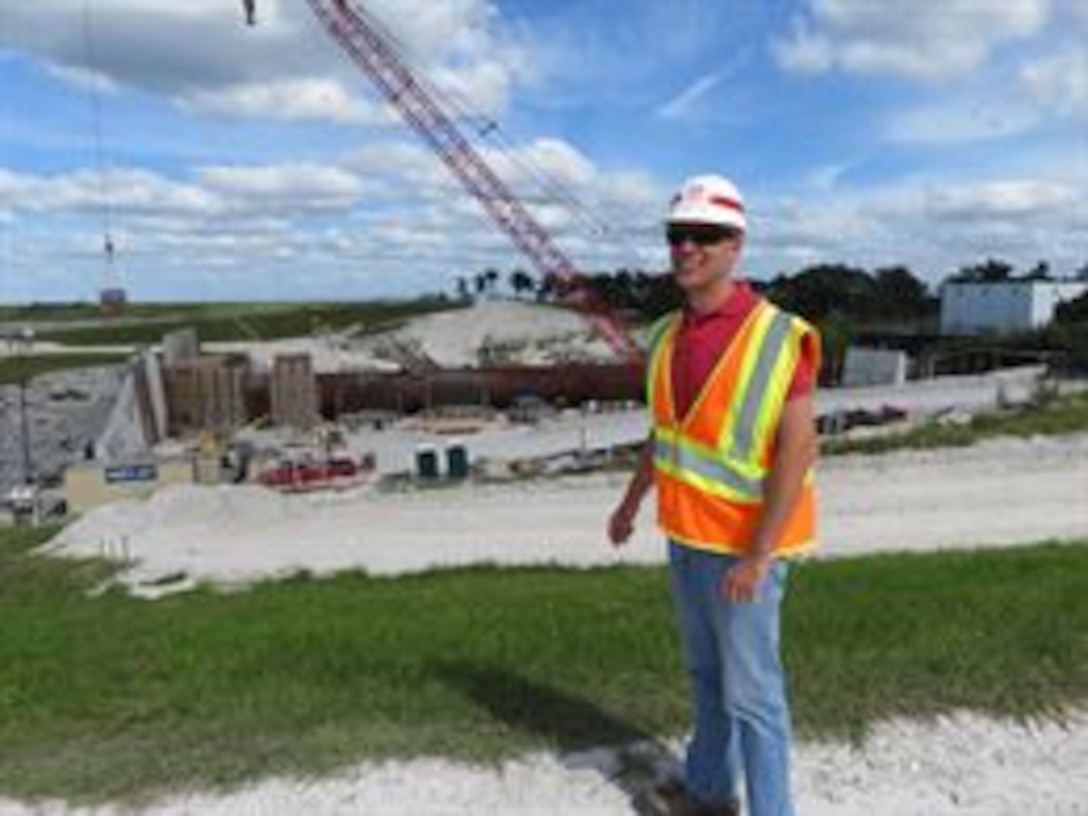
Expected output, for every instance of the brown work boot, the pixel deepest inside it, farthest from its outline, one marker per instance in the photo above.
(672, 799)
(727, 809)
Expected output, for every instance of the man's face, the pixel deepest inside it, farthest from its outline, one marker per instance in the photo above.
(702, 253)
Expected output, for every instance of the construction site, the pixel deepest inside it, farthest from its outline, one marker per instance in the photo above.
(496, 431)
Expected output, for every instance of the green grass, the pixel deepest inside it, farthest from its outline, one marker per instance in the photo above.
(1060, 415)
(64, 312)
(247, 322)
(16, 369)
(104, 696)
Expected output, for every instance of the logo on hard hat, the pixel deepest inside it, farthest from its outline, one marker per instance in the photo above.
(709, 199)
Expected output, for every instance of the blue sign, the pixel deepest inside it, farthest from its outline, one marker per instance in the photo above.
(131, 473)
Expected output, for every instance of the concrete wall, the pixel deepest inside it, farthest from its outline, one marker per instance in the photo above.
(180, 347)
(869, 366)
(293, 391)
(127, 431)
(156, 394)
(206, 394)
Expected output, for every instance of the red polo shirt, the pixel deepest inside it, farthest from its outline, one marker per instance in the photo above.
(704, 337)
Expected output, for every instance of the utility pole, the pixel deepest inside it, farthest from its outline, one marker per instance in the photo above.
(24, 341)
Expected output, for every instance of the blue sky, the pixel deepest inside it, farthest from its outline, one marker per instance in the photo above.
(256, 163)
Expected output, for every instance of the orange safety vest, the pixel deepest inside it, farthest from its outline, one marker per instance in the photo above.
(710, 465)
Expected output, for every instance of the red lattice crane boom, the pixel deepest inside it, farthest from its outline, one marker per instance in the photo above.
(364, 41)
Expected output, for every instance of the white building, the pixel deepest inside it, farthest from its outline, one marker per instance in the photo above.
(1003, 306)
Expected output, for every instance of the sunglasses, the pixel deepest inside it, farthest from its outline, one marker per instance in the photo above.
(699, 234)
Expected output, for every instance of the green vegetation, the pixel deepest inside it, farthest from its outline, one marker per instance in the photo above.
(825, 293)
(105, 696)
(66, 312)
(1059, 415)
(16, 369)
(264, 321)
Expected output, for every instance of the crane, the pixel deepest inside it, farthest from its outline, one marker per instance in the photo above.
(363, 40)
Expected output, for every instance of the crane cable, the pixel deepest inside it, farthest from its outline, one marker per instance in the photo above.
(7, 210)
(101, 159)
(553, 190)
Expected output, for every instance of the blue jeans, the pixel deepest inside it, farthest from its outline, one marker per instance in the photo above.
(742, 717)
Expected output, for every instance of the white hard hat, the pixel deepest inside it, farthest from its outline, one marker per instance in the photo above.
(709, 200)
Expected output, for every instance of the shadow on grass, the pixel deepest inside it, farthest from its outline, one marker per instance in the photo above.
(584, 735)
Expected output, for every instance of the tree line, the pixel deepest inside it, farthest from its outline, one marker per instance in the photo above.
(845, 302)
(829, 291)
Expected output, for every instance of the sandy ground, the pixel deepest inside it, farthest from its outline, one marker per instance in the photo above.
(959, 766)
(1001, 492)
(524, 333)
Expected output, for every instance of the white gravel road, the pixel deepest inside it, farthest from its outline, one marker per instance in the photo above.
(958, 766)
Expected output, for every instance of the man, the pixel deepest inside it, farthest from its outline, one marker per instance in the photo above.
(730, 387)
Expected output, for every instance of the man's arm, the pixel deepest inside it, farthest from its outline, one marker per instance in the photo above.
(796, 447)
(622, 522)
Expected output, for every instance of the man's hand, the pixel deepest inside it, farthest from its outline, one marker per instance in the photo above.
(622, 523)
(744, 580)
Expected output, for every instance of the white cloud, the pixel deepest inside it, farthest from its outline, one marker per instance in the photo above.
(129, 189)
(387, 209)
(935, 227)
(1016, 200)
(929, 41)
(199, 53)
(1059, 82)
(558, 161)
(289, 99)
(826, 177)
(285, 186)
(960, 121)
(481, 89)
(404, 170)
(85, 78)
(246, 195)
(682, 104)
(533, 171)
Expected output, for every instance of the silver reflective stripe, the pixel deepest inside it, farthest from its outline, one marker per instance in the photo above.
(768, 353)
(714, 470)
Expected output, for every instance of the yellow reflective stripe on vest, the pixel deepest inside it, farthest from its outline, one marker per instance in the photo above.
(658, 329)
(767, 356)
(660, 338)
(761, 320)
(705, 469)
